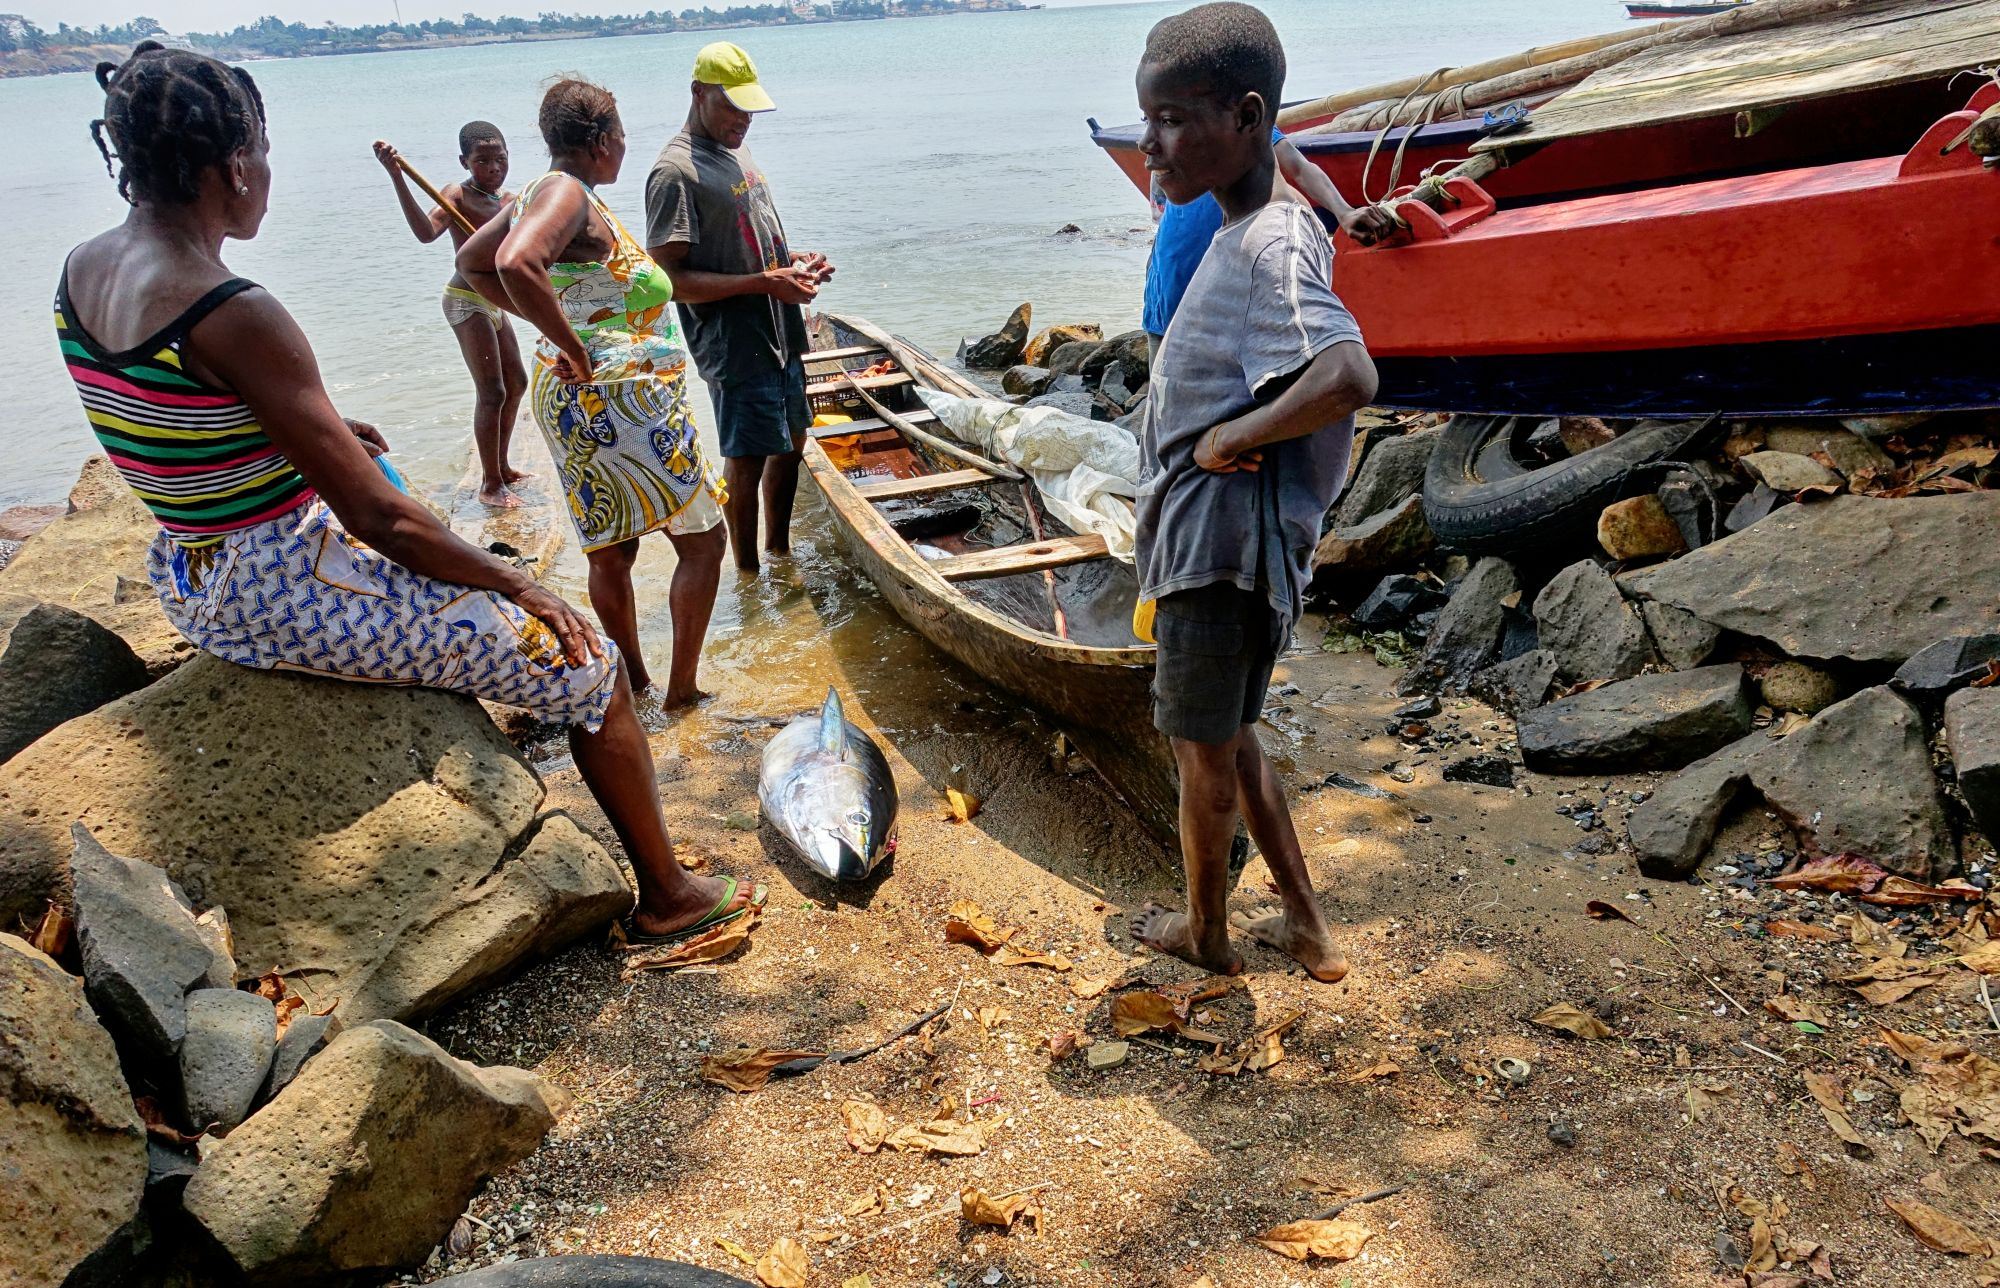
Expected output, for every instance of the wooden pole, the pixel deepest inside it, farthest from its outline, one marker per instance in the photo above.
(932, 441)
(1542, 79)
(456, 216)
(1446, 77)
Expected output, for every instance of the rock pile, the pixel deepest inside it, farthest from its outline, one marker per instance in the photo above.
(1815, 649)
(1072, 367)
(336, 1158)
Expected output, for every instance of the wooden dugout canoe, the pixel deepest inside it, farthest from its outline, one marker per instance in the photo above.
(954, 551)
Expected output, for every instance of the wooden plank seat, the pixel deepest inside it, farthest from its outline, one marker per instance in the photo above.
(841, 355)
(922, 484)
(868, 425)
(840, 383)
(1032, 556)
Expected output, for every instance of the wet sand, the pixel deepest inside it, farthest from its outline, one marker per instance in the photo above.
(1462, 907)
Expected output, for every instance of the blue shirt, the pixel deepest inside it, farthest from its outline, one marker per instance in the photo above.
(1179, 242)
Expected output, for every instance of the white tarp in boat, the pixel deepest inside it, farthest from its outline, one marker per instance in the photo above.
(1086, 470)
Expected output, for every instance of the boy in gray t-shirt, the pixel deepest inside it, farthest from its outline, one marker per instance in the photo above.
(1246, 442)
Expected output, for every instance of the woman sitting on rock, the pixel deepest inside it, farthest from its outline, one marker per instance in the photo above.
(283, 546)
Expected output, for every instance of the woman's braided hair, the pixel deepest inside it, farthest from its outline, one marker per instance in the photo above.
(575, 114)
(170, 115)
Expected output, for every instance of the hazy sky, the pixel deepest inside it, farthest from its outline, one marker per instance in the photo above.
(221, 15)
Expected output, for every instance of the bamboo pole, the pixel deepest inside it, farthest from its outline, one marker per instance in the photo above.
(1446, 77)
(1542, 79)
(909, 431)
(456, 216)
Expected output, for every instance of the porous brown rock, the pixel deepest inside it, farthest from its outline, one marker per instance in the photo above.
(1638, 527)
(1396, 538)
(1046, 342)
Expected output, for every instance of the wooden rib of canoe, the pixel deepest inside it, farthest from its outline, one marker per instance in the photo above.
(984, 580)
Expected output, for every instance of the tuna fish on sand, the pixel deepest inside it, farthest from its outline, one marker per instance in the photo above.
(826, 787)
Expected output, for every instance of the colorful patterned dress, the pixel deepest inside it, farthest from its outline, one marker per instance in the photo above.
(252, 566)
(624, 443)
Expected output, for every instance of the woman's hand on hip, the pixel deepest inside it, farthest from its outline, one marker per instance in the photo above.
(575, 366)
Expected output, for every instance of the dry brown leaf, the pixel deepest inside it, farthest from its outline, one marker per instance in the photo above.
(1833, 1107)
(1841, 873)
(978, 1209)
(1793, 1163)
(1887, 968)
(1008, 955)
(867, 1126)
(784, 1266)
(1089, 986)
(271, 986)
(1985, 959)
(991, 1017)
(1794, 1010)
(1702, 1096)
(1565, 1018)
(156, 1123)
(940, 1136)
(1063, 1045)
(1383, 1068)
(709, 946)
(857, 1281)
(1901, 892)
(1801, 931)
(1221, 1063)
(52, 936)
(1335, 1240)
(747, 1068)
(1870, 938)
(1599, 910)
(288, 1010)
(967, 923)
(1921, 1110)
(737, 1251)
(1888, 991)
(1940, 1230)
(960, 807)
(1761, 1256)
(869, 1204)
(1144, 1011)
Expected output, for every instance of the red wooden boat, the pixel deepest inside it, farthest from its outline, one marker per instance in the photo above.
(1861, 287)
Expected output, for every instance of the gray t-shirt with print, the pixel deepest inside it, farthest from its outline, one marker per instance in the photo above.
(1260, 308)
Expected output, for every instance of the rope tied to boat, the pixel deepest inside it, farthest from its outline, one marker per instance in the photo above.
(1451, 94)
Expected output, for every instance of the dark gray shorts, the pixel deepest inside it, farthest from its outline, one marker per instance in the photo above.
(761, 414)
(1217, 647)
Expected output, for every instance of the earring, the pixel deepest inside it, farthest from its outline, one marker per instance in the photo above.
(242, 189)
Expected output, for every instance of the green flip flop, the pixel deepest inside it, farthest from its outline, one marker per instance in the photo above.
(716, 917)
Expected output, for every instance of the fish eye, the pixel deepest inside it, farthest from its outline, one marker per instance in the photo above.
(858, 817)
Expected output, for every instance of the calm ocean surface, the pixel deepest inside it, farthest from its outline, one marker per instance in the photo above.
(933, 159)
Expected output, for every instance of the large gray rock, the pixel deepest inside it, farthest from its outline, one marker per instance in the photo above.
(1027, 382)
(1519, 684)
(1849, 452)
(1396, 538)
(141, 953)
(1972, 732)
(1682, 640)
(1076, 356)
(1003, 348)
(1947, 665)
(1466, 635)
(385, 849)
(1853, 577)
(72, 1149)
(226, 1055)
(94, 562)
(1857, 780)
(1652, 722)
(1392, 469)
(56, 664)
(1128, 347)
(1587, 624)
(360, 1167)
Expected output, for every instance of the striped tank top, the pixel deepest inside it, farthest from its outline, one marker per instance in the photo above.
(193, 453)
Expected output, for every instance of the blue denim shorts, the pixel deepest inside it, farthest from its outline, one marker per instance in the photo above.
(761, 414)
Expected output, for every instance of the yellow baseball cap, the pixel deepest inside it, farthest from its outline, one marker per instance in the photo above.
(727, 65)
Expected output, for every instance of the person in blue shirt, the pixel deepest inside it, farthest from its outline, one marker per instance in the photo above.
(1183, 233)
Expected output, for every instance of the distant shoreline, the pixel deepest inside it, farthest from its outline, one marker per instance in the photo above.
(82, 58)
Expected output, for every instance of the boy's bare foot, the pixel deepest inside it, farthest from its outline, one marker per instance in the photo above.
(682, 699)
(513, 475)
(1311, 949)
(1166, 931)
(498, 498)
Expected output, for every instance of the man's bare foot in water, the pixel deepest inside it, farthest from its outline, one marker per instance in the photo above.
(705, 893)
(497, 497)
(513, 475)
(1166, 931)
(1310, 949)
(681, 699)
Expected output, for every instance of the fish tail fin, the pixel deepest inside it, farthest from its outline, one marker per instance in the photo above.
(832, 725)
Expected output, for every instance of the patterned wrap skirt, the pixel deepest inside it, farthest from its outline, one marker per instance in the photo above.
(627, 455)
(298, 593)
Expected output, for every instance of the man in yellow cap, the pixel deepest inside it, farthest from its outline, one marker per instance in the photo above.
(741, 290)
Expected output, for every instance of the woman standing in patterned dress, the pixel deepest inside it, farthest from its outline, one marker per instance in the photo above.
(609, 380)
(282, 545)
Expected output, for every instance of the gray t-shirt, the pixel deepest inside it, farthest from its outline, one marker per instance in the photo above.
(1260, 308)
(715, 200)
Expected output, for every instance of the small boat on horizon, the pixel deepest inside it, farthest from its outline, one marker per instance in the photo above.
(1683, 8)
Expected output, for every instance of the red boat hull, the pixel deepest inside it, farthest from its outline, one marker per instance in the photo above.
(1865, 286)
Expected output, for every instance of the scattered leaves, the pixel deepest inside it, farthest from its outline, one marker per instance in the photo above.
(978, 1209)
(940, 1136)
(1796, 1010)
(709, 946)
(1145, 1011)
(1841, 873)
(960, 807)
(157, 1125)
(1833, 1107)
(1599, 910)
(1985, 959)
(967, 923)
(1703, 1096)
(1884, 992)
(747, 1068)
(1089, 986)
(1901, 892)
(871, 1203)
(1792, 1162)
(1565, 1018)
(1008, 955)
(867, 1126)
(784, 1266)
(1335, 1240)
(1939, 1230)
